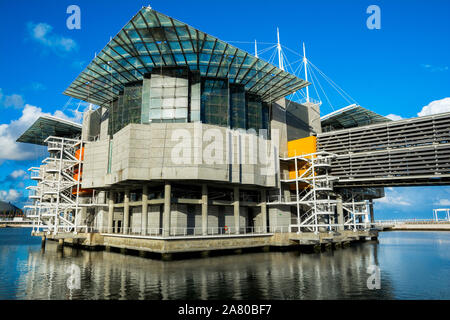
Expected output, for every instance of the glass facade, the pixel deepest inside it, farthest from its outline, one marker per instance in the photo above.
(254, 112)
(180, 95)
(237, 107)
(127, 108)
(214, 102)
(169, 92)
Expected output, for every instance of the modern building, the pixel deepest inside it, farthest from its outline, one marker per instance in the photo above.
(193, 138)
(9, 211)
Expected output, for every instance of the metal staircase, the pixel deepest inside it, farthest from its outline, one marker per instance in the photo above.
(56, 205)
(313, 188)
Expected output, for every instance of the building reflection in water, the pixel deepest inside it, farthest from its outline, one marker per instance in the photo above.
(337, 274)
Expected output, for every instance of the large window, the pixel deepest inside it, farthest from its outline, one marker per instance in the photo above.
(237, 100)
(254, 112)
(214, 101)
(127, 108)
(178, 95)
(169, 92)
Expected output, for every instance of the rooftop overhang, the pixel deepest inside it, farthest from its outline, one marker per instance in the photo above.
(151, 40)
(349, 117)
(46, 126)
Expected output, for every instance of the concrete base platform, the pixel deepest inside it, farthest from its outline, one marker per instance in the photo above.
(166, 248)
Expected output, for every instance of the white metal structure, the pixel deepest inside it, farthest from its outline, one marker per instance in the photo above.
(56, 202)
(356, 211)
(313, 188)
(437, 211)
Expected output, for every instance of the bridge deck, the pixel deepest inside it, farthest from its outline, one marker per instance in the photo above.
(406, 152)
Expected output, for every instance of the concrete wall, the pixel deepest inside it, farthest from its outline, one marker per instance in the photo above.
(153, 152)
(91, 124)
(154, 218)
(279, 216)
(303, 120)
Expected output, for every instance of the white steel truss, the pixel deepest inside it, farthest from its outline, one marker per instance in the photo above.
(56, 202)
(313, 190)
(356, 210)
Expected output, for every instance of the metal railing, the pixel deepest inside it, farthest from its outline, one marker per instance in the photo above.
(187, 231)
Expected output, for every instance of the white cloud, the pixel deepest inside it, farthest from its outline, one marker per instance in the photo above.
(12, 150)
(10, 195)
(14, 100)
(394, 117)
(43, 34)
(434, 107)
(394, 200)
(443, 202)
(432, 68)
(17, 173)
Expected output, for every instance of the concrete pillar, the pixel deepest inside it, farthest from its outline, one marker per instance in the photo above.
(166, 213)
(144, 215)
(264, 210)
(204, 209)
(109, 228)
(126, 211)
(372, 217)
(43, 242)
(236, 209)
(340, 212)
(60, 245)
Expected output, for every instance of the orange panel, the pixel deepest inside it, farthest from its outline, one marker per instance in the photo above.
(306, 145)
(302, 146)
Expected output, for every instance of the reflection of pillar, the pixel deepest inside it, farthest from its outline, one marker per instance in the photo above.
(144, 214)
(372, 218)
(166, 213)
(126, 211)
(109, 228)
(204, 209)
(340, 212)
(264, 210)
(236, 209)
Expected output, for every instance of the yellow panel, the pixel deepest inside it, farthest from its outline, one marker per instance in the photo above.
(298, 147)
(302, 146)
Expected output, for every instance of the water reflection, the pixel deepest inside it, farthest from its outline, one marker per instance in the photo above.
(105, 275)
(414, 265)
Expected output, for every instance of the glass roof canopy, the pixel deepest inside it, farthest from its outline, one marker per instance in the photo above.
(151, 40)
(349, 117)
(46, 126)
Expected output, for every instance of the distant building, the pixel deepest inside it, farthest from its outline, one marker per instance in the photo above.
(9, 211)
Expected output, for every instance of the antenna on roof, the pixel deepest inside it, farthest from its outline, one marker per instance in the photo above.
(305, 62)
(280, 60)
(256, 49)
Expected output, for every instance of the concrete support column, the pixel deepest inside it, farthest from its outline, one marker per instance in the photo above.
(236, 209)
(204, 209)
(144, 214)
(110, 213)
(126, 211)
(166, 213)
(264, 210)
(340, 212)
(372, 217)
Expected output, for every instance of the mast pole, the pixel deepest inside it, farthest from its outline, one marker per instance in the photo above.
(256, 49)
(280, 61)
(305, 62)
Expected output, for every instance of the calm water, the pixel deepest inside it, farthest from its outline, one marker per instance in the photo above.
(414, 265)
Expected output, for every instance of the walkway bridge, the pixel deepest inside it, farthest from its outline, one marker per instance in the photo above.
(410, 152)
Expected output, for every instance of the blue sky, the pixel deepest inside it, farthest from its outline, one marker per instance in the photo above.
(400, 70)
